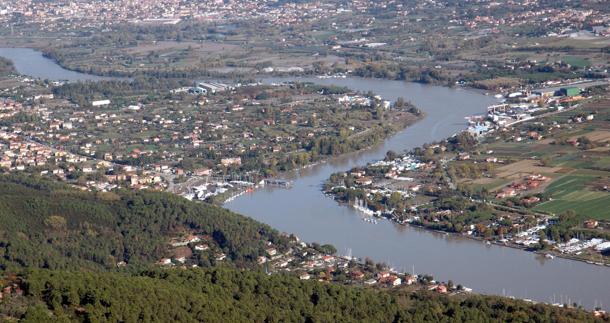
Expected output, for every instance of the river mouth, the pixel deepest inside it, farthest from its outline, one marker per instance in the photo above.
(304, 210)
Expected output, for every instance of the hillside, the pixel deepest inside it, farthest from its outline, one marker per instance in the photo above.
(229, 295)
(60, 249)
(50, 225)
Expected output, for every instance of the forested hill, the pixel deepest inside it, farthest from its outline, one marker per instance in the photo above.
(230, 295)
(51, 225)
(59, 248)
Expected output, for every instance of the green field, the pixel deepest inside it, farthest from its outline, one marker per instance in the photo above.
(509, 149)
(568, 184)
(490, 186)
(603, 163)
(576, 61)
(596, 208)
(589, 162)
(571, 193)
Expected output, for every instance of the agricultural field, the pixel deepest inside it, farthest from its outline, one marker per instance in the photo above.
(523, 168)
(576, 61)
(598, 136)
(576, 192)
(573, 156)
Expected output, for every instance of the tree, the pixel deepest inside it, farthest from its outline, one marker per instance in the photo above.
(395, 201)
(481, 229)
(542, 244)
(390, 155)
(55, 222)
(400, 103)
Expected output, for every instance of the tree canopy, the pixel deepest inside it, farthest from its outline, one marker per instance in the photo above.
(50, 225)
(230, 295)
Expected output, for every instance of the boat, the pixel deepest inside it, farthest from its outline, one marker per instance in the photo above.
(369, 220)
(549, 256)
(362, 207)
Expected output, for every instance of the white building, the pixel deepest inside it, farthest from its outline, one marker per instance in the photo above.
(100, 103)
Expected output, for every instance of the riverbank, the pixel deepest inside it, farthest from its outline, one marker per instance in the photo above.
(224, 198)
(547, 253)
(441, 175)
(542, 253)
(117, 75)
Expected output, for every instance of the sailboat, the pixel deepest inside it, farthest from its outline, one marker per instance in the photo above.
(362, 206)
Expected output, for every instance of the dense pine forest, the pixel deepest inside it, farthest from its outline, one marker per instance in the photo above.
(230, 295)
(59, 250)
(50, 225)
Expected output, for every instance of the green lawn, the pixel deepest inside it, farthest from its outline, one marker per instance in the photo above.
(603, 162)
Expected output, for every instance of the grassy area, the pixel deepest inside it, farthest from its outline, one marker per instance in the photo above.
(576, 61)
(596, 208)
(572, 161)
(603, 162)
(496, 183)
(568, 184)
(571, 193)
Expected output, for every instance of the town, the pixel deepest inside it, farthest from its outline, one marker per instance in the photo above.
(215, 39)
(232, 134)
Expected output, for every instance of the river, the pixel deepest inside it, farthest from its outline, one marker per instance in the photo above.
(31, 62)
(305, 211)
